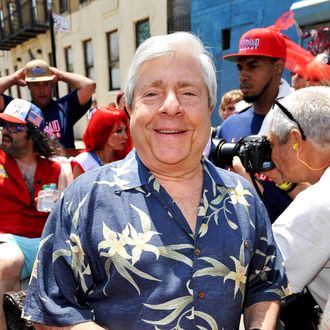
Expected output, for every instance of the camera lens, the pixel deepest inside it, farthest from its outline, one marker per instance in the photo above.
(223, 152)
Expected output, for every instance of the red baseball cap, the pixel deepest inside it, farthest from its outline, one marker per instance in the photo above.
(260, 42)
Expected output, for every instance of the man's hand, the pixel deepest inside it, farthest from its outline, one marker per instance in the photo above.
(19, 77)
(277, 177)
(238, 168)
(262, 315)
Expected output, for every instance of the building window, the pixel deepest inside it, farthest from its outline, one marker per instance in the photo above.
(68, 63)
(2, 23)
(178, 15)
(89, 58)
(51, 59)
(113, 59)
(9, 89)
(68, 59)
(64, 6)
(142, 31)
(18, 90)
(225, 36)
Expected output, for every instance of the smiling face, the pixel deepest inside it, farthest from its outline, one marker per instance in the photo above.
(170, 120)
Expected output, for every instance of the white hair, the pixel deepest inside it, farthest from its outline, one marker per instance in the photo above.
(309, 106)
(169, 45)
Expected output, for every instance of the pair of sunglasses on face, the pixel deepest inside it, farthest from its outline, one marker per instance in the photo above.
(13, 128)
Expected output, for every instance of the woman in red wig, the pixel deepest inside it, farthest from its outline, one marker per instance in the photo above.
(107, 139)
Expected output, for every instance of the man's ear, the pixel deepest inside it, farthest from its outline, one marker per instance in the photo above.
(279, 66)
(129, 110)
(295, 136)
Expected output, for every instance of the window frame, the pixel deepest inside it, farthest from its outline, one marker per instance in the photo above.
(89, 67)
(138, 24)
(113, 62)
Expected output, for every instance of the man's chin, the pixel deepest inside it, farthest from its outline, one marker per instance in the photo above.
(251, 98)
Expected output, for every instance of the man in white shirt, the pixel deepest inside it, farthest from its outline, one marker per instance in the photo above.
(300, 140)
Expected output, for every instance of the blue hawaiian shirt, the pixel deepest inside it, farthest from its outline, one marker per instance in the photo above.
(118, 251)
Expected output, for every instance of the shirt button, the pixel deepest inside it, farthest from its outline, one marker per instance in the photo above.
(197, 252)
(201, 295)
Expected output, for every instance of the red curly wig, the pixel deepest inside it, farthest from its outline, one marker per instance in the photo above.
(100, 127)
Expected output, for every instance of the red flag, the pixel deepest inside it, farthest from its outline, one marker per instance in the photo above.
(285, 20)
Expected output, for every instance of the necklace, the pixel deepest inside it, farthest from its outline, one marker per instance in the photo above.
(101, 163)
(95, 155)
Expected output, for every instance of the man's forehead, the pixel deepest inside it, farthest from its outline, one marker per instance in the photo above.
(40, 83)
(252, 59)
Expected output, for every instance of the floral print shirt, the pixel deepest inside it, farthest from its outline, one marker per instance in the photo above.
(118, 251)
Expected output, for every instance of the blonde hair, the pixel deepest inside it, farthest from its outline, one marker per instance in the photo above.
(232, 96)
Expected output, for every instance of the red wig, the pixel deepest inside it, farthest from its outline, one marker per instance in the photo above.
(101, 125)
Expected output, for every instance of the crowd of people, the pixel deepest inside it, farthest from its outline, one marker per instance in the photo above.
(151, 233)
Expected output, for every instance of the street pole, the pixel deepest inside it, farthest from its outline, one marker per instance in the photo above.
(53, 45)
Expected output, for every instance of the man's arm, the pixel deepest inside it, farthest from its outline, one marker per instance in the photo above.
(17, 78)
(274, 174)
(85, 87)
(80, 326)
(262, 315)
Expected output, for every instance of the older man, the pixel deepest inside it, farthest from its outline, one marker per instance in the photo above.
(300, 138)
(162, 239)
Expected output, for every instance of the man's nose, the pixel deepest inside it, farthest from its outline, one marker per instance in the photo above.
(243, 74)
(171, 104)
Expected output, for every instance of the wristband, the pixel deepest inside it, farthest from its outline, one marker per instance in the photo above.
(293, 187)
(287, 186)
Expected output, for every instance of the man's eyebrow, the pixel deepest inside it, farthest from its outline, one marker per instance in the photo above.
(161, 83)
(186, 83)
(155, 83)
(248, 62)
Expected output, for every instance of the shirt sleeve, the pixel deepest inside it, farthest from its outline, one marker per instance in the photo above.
(50, 299)
(302, 234)
(267, 280)
(76, 111)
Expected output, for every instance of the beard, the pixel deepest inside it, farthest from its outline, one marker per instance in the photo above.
(13, 147)
(255, 98)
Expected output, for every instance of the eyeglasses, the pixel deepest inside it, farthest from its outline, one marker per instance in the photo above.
(13, 128)
(290, 116)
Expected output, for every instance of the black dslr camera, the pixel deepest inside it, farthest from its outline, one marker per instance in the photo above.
(253, 150)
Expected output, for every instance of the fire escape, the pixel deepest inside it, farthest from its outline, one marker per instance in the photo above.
(21, 20)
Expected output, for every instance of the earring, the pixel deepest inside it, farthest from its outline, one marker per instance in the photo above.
(295, 146)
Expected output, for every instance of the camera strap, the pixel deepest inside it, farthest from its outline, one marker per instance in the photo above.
(255, 184)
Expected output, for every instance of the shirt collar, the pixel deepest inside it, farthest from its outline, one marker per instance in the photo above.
(133, 173)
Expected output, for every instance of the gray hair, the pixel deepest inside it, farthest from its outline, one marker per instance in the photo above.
(310, 106)
(169, 45)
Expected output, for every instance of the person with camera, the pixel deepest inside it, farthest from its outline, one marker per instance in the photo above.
(163, 238)
(300, 141)
(260, 62)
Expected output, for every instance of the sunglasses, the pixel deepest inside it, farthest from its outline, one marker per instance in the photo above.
(290, 116)
(13, 128)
